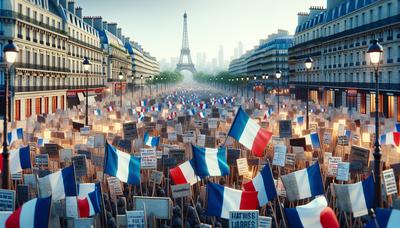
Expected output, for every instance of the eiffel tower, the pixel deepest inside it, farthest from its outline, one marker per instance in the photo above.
(185, 51)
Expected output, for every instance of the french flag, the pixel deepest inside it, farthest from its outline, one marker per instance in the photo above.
(97, 112)
(313, 140)
(14, 135)
(41, 141)
(150, 140)
(33, 214)
(221, 200)
(397, 127)
(184, 173)
(202, 115)
(170, 105)
(385, 217)
(210, 162)
(304, 183)
(356, 198)
(110, 108)
(268, 113)
(300, 120)
(140, 116)
(392, 138)
(61, 183)
(191, 112)
(143, 103)
(247, 132)
(264, 184)
(308, 215)
(122, 165)
(20, 159)
(89, 204)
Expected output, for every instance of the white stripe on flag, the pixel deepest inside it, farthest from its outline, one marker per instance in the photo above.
(303, 184)
(249, 133)
(15, 163)
(258, 183)
(123, 166)
(52, 184)
(27, 216)
(307, 213)
(85, 189)
(212, 161)
(188, 172)
(357, 198)
(232, 198)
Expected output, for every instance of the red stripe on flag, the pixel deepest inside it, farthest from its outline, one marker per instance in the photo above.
(84, 208)
(249, 186)
(177, 176)
(13, 220)
(396, 138)
(249, 201)
(260, 142)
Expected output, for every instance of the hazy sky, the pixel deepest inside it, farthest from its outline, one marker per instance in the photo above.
(157, 24)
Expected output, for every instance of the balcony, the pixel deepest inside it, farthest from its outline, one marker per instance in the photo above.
(83, 43)
(19, 36)
(35, 40)
(28, 38)
(41, 67)
(46, 88)
(389, 38)
(41, 42)
(355, 85)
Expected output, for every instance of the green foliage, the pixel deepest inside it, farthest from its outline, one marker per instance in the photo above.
(167, 77)
(221, 77)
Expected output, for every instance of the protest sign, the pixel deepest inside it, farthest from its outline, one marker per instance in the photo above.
(148, 159)
(333, 165)
(180, 190)
(327, 138)
(243, 167)
(65, 155)
(343, 140)
(233, 155)
(298, 142)
(52, 150)
(285, 129)
(84, 130)
(159, 207)
(210, 142)
(279, 155)
(156, 176)
(7, 200)
(23, 194)
(86, 153)
(201, 140)
(178, 154)
(135, 219)
(83, 222)
(343, 171)
(213, 123)
(290, 161)
(71, 207)
(79, 162)
(77, 126)
(359, 159)
(264, 222)
(299, 152)
(243, 218)
(390, 181)
(115, 186)
(41, 159)
(130, 131)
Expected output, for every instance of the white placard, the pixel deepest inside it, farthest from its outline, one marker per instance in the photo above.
(243, 166)
(264, 222)
(279, 155)
(390, 181)
(135, 219)
(333, 165)
(71, 207)
(148, 158)
(243, 218)
(213, 123)
(343, 171)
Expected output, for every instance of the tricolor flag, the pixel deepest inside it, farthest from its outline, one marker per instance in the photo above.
(110, 108)
(122, 165)
(59, 184)
(140, 116)
(15, 135)
(356, 198)
(89, 203)
(264, 184)
(210, 162)
(41, 141)
(184, 173)
(397, 127)
(392, 138)
(19, 159)
(308, 215)
(192, 112)
(268, 113)
(247, 132)
(300, 120)
(304, 183)
(386, 218)
(221, 200)
(202, 115)
(313, 140)
(143, 103)
(35, 213)
(97, 112)
(150, 140)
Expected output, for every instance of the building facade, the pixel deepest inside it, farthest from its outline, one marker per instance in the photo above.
(337, 38)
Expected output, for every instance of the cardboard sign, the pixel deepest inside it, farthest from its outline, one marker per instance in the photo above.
(343, 169)
(7, 200)
(156, 176)
(343, 140)
(41, 159)
(279, 155)
(84, 130)
(213, 123)
(359, 159)
(135, 219)
(65, 155)
(285, 129)
(327, 138)
(264, 222)
(148, 159)
(243, 167)
(290, 161)
(130, 131)
(115, 186)
(333, 165)
(52, 150)
(390, 181)
(159, 207)
(244, 218)
(180, 190)
(233, 155)
(79, 162)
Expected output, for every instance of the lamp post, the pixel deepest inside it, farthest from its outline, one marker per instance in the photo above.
(120, 77)
(86, 67)
(375, 51)
(247, 87)
(10, 53)
(278, 75)
(237, 85)
(132, 85)
(141, 87)
(265, 77)
(254, 92)
(151, 81)
(308, 63)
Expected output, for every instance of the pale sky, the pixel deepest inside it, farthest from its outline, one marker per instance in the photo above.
(157, 24)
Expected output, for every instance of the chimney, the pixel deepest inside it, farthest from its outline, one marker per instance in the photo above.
(123, 39)
(315, 10)
(78, 12)
(98, 23)
(112, 27)
(105, 25)
(71, 7)
(302, 17)
(119, 33)
(88, 20)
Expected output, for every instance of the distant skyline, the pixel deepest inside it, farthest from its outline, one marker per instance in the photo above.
(157, 24)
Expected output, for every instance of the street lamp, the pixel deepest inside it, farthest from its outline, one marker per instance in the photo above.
(86, 68)
(237, 86)
(150, 78)
(265, 77)
(120, 77)
(308, 63)
(254, 92)
(247, 87)
(10, 53)
(132, 81)
(141, 87)
(375, 51)
(278, 75)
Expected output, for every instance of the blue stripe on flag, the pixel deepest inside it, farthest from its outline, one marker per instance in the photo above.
(315, 179)
(222, 163)
(293, 217)
(238, 125)
(42, 212)
(110, 167)
(269, 184)
(95, 198)
(199, 155)
(369, 191)
(134, 171)
(25, 157)
(215, 199)
(382, 216)
(68, 176)
(315, 140)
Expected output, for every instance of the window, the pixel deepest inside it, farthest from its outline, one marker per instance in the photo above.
(389, 9)
(46, 105)
(17, 105)
(20, 8)
(371, 15)
(28, 108)
(389, 52)
(379, 12)
(54, 104)
(38, 106)
(362, 18)
(363, 102)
